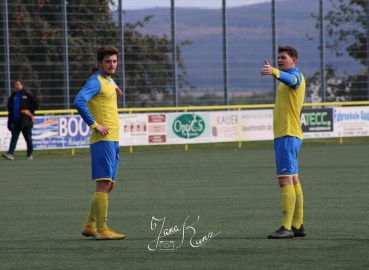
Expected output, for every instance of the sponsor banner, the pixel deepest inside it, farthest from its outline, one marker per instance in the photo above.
(5, 137)
(157, 128)
(157, 139)
(351, 121)
(134, 130)
(184, 128)
(52, 132)
(317, 123)
(225, 126)
(256, 125)
(142, 129)
(55, 132)
(241, 125)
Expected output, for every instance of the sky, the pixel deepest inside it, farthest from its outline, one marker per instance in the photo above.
(212, 4)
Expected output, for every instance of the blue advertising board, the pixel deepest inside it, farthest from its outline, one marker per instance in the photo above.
(51, 132)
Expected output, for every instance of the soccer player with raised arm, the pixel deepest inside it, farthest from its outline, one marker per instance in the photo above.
(97, 105)
(288, 139)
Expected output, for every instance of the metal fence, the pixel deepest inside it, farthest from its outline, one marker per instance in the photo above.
(179, 53)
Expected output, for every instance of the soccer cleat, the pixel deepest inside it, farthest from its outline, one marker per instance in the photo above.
(282, 233)
(8, 156)
(299, 232)
(29, 157)
(108, 234)
(88, 231)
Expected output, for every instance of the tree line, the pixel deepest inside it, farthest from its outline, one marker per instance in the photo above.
(345, 26)
(37, 55)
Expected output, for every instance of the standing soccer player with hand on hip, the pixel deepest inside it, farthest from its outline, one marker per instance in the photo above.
(288, 139)
(97, 105)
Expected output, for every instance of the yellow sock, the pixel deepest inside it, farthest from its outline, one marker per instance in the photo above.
(288, 205)
(91, 218)
(299, 206)
(100, 201)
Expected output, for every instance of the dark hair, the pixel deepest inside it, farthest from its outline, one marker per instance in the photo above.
(18, 81)
(94, 68)
(106, 50)
(291, 51)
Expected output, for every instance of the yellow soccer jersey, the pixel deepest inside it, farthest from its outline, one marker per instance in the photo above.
(288, 104)
(97, 104)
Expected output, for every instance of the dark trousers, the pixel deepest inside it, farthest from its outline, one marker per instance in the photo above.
(27, 134)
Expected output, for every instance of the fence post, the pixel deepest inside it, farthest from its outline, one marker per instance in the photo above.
(72, 150)
(321, 45)
(130, 147)
(274, 43)
(122, 67)
(6, 47)
(65, 54)
(186, 145)
(174, 52)
(367, 50)
(340, 139)
(239, 143)
(225, 55)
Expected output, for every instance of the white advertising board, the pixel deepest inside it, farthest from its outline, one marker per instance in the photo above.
(237, 126)
(351, 121)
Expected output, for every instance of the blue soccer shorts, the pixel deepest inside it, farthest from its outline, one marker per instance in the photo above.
(104, 160)
(286, 149)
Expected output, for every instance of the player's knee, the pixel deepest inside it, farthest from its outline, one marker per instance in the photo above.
(103, 186)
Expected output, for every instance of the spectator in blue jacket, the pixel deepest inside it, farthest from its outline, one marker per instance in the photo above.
(21, 108)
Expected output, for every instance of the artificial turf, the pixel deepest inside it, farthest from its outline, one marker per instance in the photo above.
(233, 192)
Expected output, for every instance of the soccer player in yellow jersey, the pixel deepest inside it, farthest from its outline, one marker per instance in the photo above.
(97, 105)
(288, 139)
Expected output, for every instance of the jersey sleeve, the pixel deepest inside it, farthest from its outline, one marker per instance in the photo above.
(115, 85)
(291, 79)
(91, 89)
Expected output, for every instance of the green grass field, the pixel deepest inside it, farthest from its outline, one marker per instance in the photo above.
(44, 203)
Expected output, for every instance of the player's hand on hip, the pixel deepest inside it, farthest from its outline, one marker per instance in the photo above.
(267, 69)
(119, 93)
(103, 130)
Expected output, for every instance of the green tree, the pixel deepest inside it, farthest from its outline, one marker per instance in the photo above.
(36, 51)
(36, 43)
(337, 88)
(22, 37)
(346, 28)
(90, 26)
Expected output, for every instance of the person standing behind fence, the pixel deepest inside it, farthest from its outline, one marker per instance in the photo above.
(97, 105)
(21, 109)
(117, 89)
(288, 139)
